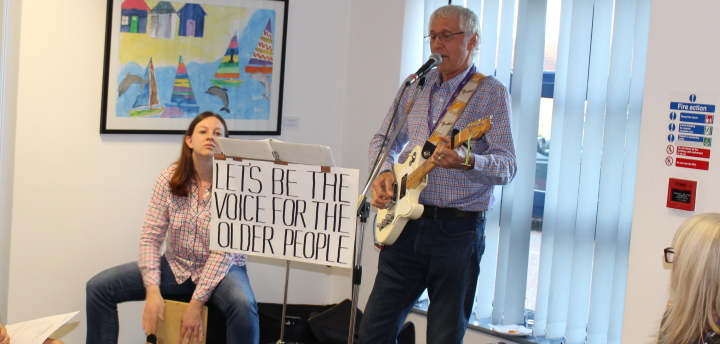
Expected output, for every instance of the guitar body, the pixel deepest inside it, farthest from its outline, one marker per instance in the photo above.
(391, 221)
(410, 180)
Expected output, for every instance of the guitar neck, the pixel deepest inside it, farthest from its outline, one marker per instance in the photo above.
(473, 130)
(416, 176)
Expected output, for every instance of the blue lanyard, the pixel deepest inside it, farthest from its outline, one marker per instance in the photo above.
(467, 78)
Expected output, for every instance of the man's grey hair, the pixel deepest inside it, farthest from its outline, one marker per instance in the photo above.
(467, 19)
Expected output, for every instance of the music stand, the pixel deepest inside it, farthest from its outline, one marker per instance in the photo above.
(280, 153)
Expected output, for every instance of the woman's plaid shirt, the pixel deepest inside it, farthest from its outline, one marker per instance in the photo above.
(185, 223)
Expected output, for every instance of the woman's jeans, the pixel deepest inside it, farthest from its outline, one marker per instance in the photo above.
(440, 255)
(233, 296)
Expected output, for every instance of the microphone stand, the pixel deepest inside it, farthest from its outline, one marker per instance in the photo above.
(363, 211)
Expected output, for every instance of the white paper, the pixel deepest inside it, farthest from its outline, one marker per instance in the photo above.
(300, 153)
(271, 149)
(328, 156)
(249, 149)
(36, 331)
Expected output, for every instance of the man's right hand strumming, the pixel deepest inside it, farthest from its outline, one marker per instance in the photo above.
(382, 190)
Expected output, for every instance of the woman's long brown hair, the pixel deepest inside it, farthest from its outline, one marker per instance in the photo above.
(185, 169)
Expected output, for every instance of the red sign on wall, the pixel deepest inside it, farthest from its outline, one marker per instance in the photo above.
(692, 163)
(693, 152)
(681, 194)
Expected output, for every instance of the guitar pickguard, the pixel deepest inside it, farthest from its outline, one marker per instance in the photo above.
(405, 205)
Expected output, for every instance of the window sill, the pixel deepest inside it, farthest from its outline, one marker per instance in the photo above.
(484, 327)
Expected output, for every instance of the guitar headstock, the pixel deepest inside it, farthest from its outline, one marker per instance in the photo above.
(473, 130)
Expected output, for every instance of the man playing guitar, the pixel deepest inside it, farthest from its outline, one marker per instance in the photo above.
(441, 250)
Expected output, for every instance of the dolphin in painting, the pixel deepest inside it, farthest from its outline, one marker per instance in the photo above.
(129, 80)
(220, 93)
(263, 79)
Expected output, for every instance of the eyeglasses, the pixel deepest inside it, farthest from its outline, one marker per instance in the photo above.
(669, 255)
(444, 36)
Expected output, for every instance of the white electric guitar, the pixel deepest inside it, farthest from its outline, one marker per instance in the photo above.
(410, 180)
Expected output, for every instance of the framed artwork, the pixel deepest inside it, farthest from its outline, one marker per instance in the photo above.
(166, 62)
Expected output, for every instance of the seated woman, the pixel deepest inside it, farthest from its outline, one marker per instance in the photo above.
(179, 214)
(694, 304)
(5, 339)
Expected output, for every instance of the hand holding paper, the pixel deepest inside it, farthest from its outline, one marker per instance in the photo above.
(37, 331)
(4, 338)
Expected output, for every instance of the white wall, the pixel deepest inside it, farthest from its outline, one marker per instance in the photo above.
(682, 57)
(372, 80)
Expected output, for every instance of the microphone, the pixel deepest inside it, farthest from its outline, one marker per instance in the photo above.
(432, 61)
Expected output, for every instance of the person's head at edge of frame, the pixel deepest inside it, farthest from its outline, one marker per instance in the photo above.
(456, 32)
(198, 147)
(694, 300)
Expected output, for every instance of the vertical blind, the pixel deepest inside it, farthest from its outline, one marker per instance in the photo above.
(598, 93)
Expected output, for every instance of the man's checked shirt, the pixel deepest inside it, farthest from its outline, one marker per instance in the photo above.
(470, 190)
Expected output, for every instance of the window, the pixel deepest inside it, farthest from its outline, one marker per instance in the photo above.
(567, 220)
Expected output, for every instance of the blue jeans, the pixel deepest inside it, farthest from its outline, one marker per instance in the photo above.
(440, 255)
(233, 296)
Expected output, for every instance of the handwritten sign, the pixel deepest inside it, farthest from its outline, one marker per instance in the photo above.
(295, 212)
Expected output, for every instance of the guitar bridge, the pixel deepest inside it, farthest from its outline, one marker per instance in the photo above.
(386, 221)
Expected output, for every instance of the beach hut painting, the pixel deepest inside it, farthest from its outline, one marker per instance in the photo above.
(134, 16)
(192, 20)
(226, 63)
(163, 20)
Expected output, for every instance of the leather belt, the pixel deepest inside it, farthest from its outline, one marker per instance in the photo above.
(438, 213)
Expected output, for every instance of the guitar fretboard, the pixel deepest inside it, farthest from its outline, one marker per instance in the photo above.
(416, 176)
(475, 129)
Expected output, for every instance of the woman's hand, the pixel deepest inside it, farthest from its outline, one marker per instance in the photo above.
(4, 338)
(154, 309)
(191, 326)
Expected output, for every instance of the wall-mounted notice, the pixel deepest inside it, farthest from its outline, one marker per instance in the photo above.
(295, 212)
(681, 194)
(690, 127)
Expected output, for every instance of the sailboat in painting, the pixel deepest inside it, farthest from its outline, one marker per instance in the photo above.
(228, 73)
(183, 96)
(262, 58)
(147, 101)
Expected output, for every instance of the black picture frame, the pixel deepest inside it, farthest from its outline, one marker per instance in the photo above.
(166, 64)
